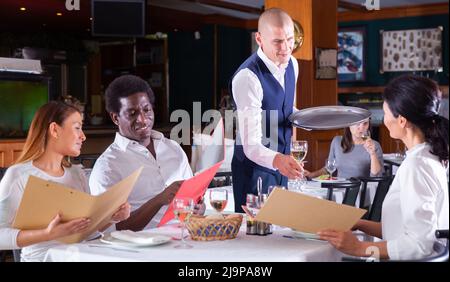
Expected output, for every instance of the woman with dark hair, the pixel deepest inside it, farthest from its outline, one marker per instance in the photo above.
(355, 153)
(417, 203)
(54, 134)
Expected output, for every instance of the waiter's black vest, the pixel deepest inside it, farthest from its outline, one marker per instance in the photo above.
(246, 172)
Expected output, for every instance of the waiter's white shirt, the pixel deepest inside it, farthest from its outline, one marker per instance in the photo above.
(248, 96)
(12, 188)
(124, 156)
(416, 205)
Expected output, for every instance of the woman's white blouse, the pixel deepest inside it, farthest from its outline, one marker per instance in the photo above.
(12, 188)
(416, 205)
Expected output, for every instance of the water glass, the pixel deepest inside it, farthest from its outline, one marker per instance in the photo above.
(330, 166)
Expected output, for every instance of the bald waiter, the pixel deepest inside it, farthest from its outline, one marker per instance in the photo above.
(263, 90)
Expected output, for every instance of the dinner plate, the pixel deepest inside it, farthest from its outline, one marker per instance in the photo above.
(159, 240)
(334, 180)
(305, 235)
(328, 117)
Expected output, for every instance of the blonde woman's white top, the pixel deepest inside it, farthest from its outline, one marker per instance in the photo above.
(12, 187)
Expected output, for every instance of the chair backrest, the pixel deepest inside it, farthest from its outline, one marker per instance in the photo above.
(16, 253)
(374, 213)
(223, 178)
(86, 160)
(2, 172)
(351, 190)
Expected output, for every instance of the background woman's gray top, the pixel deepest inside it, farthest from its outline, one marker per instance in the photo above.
(356, 162)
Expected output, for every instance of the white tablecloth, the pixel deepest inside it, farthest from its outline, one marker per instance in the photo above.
(313, 188)
(243, 248)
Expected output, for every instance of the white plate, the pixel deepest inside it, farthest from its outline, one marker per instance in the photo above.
(108, 239)
(338, 179)
(305, 235)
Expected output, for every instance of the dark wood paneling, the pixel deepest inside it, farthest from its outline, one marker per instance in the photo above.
(9, 151)
(388, 144)
(300, 11)
(312, 92)
(396, 12)
(318, 146)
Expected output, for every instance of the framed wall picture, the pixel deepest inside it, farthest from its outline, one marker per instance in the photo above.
(351, 54)
(326, 63)
(411, 50)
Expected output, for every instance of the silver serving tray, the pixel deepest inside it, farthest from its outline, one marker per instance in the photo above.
(328, 117)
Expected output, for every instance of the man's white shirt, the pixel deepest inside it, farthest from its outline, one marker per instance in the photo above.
(124, 156)
(248, 96)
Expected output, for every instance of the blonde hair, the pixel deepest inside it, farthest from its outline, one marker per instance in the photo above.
(37, 137)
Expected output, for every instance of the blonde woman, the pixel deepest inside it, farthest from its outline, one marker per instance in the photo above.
(54, 134)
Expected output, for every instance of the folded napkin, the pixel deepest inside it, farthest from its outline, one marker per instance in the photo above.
(138, 237)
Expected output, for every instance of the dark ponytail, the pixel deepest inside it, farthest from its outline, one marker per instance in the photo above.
(418, 99)
(438, 134)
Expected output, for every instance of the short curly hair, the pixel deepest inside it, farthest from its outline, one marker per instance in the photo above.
(125, 86)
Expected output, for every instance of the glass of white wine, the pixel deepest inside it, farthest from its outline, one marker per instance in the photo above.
(365, 135)
(183, 209)
(299, 149)
(218, 198)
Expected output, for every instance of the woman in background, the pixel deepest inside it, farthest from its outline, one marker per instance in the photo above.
(54, 134)
(417, 203)
(355, 153)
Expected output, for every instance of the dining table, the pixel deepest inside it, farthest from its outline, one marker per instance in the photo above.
(283, 245)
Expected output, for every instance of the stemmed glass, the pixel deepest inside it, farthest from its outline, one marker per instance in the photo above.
(330, 166)
(183, 209)
(218, 198)
(365, 135)
(299, 149)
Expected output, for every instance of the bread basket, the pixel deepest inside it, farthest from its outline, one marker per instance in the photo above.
(216, 227)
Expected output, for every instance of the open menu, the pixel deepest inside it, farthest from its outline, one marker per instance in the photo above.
(42, 200)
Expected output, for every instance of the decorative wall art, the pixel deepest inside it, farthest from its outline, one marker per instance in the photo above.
(411, 50)
(350, 57)
(325, 63)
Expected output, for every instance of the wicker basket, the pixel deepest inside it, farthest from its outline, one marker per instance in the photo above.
(202, 228)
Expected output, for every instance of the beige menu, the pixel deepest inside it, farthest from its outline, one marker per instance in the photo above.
(42, 200)
(307, 214)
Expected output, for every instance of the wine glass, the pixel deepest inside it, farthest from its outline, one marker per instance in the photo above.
(183, 209)
(365, 135)
(330, 166)
(299, 149)
(252, 203)
(218, 198)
